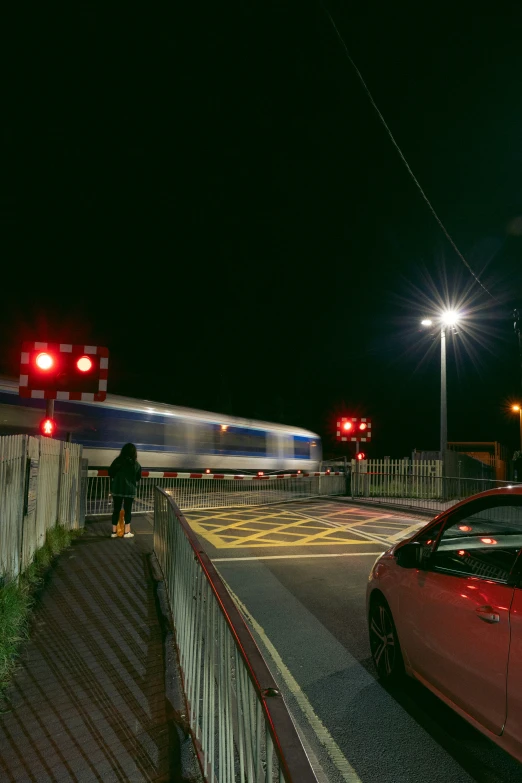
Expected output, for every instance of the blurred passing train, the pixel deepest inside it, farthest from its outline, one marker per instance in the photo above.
(167, 437)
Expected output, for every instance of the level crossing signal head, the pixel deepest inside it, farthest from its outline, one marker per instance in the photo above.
(361, 455)
(354, 429)
(63, 371)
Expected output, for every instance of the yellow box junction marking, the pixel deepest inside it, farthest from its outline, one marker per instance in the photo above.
(238, 528)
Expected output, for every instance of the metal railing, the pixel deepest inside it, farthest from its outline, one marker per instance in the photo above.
(409, 490)
(200, 491)
(240, 724)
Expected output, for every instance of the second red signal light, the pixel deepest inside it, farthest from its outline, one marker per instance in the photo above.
(84, 364)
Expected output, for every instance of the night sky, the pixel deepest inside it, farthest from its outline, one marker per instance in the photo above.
(208, 191)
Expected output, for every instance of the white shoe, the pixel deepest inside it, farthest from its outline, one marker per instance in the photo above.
(128, 535)
(114, 535)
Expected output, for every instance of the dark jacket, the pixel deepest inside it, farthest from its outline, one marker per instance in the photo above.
(125, 474)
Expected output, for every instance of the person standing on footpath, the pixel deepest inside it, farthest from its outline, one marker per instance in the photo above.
(125, 472)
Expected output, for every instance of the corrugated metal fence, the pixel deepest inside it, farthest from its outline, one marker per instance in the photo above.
(40, 486)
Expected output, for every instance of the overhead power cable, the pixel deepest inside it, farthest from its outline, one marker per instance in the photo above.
(401, 155)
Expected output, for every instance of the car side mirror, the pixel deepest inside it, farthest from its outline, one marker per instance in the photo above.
(410, 555)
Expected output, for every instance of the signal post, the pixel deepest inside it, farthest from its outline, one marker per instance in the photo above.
(357, 430)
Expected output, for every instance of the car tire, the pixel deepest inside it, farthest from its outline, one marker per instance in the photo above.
(384, 642)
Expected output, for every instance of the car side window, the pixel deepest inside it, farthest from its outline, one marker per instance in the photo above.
(428, 539)
(483, 544)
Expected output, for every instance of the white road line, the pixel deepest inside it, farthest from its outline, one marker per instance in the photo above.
(348, 773)
(294, 557)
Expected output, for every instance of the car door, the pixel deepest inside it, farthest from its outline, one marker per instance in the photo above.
(454, 612)
(514, 684)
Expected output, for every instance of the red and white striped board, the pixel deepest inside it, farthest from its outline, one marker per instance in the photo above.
(355, 436)
(57, 394)
(172, 474)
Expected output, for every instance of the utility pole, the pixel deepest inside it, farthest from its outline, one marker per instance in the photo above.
(443, 401)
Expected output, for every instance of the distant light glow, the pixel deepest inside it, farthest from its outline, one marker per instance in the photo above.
(450, 317)
(362, 426)
(461, 552)
(44, 361)
(488, 540)
(465, 528)
(224, 427)
(347, 426)
(207, 470)
(515, 408)
(426, 322)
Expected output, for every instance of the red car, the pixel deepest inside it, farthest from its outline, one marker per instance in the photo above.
(445, 607)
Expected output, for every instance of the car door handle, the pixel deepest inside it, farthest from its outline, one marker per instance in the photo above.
(487, 614)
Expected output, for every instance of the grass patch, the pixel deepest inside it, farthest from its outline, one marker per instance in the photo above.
(17, 600)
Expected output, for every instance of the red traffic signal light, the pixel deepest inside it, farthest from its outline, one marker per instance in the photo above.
(44, 361)
(361, 455)
(84, 364)
(48, 427)
(354, 429)
(62, 371)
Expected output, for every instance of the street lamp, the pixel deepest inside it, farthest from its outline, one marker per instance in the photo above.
(446, 319)
(518, 409)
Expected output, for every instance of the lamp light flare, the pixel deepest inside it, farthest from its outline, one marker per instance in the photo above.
(449, 317)
(426, 322)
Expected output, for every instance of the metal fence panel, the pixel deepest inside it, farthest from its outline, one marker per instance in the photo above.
(428, 493)
(223, 492)
(48, 486)
(30, 495)
(39, 486)
(84, 483)
(12, 479)
(70, 483)
(239, 721)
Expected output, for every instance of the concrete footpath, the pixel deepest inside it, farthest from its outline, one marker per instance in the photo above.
(97, 694)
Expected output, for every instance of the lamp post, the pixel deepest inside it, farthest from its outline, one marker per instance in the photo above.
(446, 319)
(518, 409)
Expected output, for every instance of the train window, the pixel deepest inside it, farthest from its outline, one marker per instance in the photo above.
(203, 435)
(301, 447)
(240, 440)
(174, 434)
(115, 432)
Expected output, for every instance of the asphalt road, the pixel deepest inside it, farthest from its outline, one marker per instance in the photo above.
(299, 571)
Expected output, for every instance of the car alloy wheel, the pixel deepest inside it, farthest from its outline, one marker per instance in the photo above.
(384, 644)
